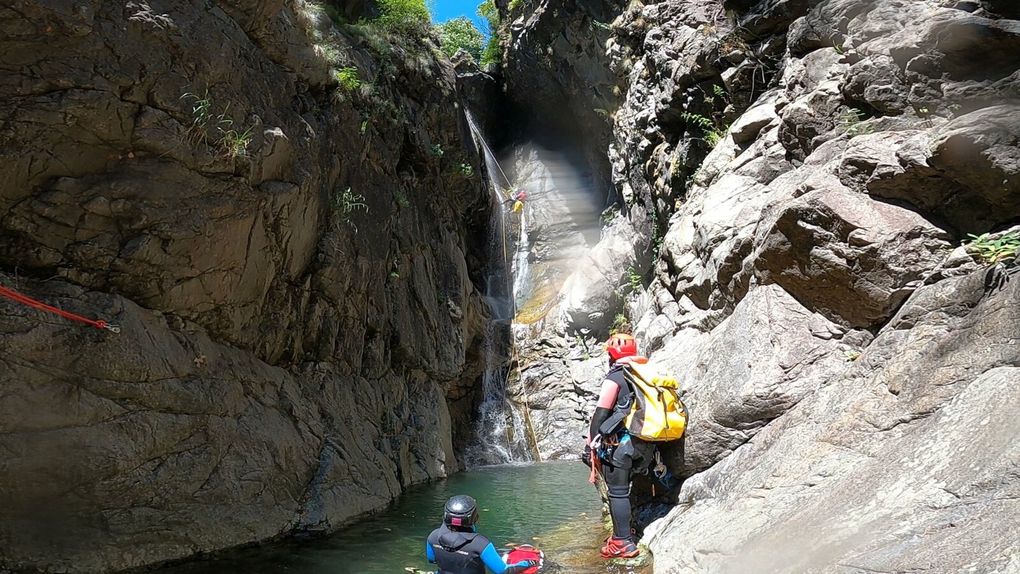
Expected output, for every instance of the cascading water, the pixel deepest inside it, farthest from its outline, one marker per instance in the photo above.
(521, 269)
(499, 429)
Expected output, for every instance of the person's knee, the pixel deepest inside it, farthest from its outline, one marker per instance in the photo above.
(618, 490)
(616, 476)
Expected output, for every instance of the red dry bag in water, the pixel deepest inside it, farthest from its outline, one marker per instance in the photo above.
(526, 552)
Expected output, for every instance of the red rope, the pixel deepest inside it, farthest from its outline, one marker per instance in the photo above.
(30, 302)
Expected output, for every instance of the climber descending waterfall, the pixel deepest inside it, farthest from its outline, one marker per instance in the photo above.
(499, 429)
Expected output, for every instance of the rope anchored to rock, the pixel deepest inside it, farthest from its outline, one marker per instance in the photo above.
(35, 304)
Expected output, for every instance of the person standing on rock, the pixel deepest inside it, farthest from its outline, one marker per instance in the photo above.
(456, 548)
(619, 454)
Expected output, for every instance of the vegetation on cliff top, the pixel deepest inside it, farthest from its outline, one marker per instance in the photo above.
(460, 34)
(493, 51)
(404, 16)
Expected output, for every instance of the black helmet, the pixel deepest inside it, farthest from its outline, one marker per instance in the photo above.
(461, 511)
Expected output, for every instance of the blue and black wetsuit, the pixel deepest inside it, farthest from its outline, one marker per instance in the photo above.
(466, 552)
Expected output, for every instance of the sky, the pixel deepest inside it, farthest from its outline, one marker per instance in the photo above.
(443, 10)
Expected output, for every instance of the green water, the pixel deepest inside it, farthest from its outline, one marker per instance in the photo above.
(550, 505)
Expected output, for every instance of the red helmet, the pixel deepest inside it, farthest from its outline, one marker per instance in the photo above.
(620, 346)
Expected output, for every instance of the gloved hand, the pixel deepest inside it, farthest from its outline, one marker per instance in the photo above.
(528, 564)
(586, 455)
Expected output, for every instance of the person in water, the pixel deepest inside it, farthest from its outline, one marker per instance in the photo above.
(620, 453)
(456, 548)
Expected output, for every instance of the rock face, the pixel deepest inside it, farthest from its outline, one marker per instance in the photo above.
(293, 263)
(554, 69)
(798, 178)
(905, 462)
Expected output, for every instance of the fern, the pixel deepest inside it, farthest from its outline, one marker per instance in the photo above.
(698, 120)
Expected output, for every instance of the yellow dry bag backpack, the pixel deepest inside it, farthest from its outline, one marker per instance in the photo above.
(656, 411)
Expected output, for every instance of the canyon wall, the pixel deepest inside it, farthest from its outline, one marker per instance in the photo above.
(798, 179)
(283, 214)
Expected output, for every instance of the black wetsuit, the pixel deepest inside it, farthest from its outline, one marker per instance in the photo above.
(466, 552)
(621, 461)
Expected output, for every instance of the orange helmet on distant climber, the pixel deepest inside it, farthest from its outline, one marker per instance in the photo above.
(621, 345)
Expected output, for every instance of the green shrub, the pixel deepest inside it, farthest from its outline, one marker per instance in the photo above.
(634, 278)
(460, 33)
(991, 249)
(697, 120)
(492, 53)
(658, 237)
(347, 78)
(713, 137)
(328, 52)
(620, 324)
(201, 113)
(404, 16)
(466, 170)
(488, 10)
(436, 150)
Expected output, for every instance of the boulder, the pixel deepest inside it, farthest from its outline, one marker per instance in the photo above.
(877, 82)
(809, 120)
(760, 17)
(956, 172)
(825, 25)
(847, 256)
(980, 151)
(705, 247)
(735, 381)
(746, 129)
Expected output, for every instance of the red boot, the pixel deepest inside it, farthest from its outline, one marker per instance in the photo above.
(619, 548)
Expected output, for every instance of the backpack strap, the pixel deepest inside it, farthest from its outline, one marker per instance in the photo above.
(622, 407)
(612, 423)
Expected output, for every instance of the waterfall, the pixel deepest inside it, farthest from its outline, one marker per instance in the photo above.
(500, 435)
(522, 257)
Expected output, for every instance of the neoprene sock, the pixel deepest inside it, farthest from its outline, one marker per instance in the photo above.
(619, 510)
